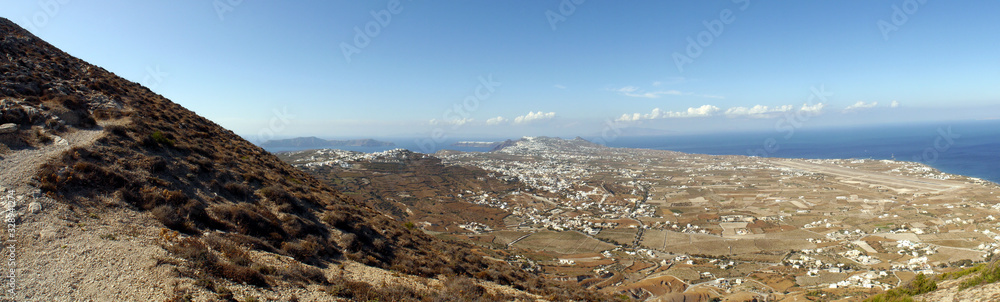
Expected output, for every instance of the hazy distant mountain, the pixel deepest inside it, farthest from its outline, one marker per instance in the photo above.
(315, 142)
(476, 144)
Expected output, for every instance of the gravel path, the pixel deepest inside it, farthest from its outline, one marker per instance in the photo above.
(62, 255)
(19, 166)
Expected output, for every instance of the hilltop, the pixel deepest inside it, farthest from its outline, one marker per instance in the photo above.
(132, 197)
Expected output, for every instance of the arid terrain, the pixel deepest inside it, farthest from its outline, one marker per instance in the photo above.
(114, 193)
(662, 224)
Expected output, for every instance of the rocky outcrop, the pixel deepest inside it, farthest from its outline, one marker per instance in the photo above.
(8, 128)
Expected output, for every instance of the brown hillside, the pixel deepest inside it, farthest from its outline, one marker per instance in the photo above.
(419, 189)
(227, 199)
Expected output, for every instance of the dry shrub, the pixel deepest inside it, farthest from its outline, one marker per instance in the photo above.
(238, 190)
(169, 217)
(251, 220)
(229, 249)
(465, 289)
(52, 177)
(277, 195)
(340, 218)
(203, 259)
(303, 274)
(118, 130)
(107, 114)
(250, 275)
(193, 250)
(360, 291)
(300, 249)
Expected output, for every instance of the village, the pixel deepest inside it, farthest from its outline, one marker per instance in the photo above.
(612, 218)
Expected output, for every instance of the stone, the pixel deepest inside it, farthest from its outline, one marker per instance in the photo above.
(8, 128)
(34, 207)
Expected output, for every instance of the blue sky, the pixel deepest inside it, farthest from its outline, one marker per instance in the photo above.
(563, 68)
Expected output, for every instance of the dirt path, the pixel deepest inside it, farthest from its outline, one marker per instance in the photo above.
(58, 255)
(18, 167)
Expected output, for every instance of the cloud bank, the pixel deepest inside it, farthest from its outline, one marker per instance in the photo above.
(532, 117)
(758, 111)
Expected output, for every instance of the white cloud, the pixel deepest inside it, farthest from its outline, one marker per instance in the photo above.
(657, 113)
(559, 86)
(860, 106)
(453, 122)
(496, 121)
(632, 91)
(627, 89)
(534, 117)
(894, 104)
(816, 109)
(706, 110)
(759, 111)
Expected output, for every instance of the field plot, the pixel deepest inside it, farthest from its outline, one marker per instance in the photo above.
(658, 239)
(620, 236)
(796, 234)
(506, 237)
(563, 243)
(674, 242)
(956, 239)
(821, 279)
(950, 254)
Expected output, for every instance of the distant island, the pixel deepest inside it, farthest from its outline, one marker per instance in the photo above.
(494, 146)
(476, 144)
(315, 142)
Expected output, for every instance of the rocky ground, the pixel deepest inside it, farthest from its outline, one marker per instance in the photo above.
(61, 254)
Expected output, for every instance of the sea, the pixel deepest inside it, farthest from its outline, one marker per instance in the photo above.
(963, 148)
(970, 148)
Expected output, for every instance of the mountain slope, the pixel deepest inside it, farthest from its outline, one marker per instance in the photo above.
(234, 218)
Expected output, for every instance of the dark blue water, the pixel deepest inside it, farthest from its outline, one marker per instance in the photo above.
(965, 148)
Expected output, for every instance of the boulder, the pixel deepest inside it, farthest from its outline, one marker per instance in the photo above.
(8, 128)
(35, 207)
